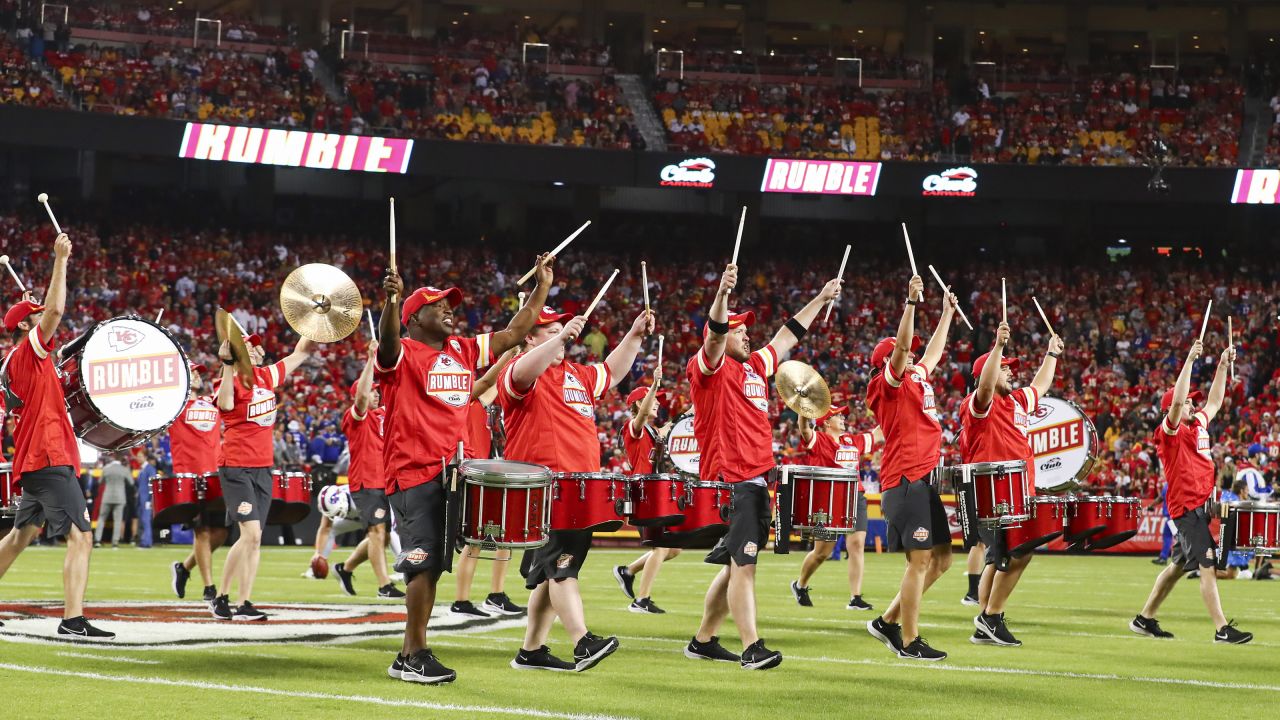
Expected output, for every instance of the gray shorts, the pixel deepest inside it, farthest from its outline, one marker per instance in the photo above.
(373, 506)
(750, 514)
(53, 496)
(247, 492)
(560, 559)
(1196, 547)
(420, 525)
(915, 516)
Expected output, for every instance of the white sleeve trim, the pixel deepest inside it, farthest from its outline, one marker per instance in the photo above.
(510, 389)
(1164, 425)
(702, 362)
(973, 408)
(486, 351)
(769, 357)
(888, 373)
(1203, 418)
(355, 414)
(813, 440)
(602, 380)
(377, 365)
(36, 344)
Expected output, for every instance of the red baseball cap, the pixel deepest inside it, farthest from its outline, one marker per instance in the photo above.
(198, 368)
(546, 316)
(736, 320)
(356, 384)
(886, 346)
(638, 394)
(835, 410)
(427, 296)
(20, 312)
(1166, 400)
(253, 339)
(981, 362)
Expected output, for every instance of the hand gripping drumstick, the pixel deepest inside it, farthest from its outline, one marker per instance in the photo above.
(5, 260)
(843, 260)
(600, 294)
(1204, 325)
(43, 199)
(947, 291)
(555, 252)
(911, 256)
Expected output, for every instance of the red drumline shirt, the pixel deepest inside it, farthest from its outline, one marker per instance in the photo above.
(640, 449)
(1002, 432)
(826, 451)
(1187, 463)
(42, 434)
(194, 438)
(731, 414)
(479, 442)
(365, 444)
(553, 423)
(426, 394)
(247, 441)
(907, 412)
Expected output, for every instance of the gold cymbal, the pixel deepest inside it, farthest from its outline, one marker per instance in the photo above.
(321, 303)
(229, 332)
(802, 389)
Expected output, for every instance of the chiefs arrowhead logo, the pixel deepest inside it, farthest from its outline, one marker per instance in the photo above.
(123, 338)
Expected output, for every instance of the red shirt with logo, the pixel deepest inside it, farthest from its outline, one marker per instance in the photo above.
(364, 443)
(194, 438)
(426, 394)
(1001, 433)
(553, 423)
(847, 452)
(731, 414)
(246, 438)
(639, 449)
(42, 434)
(1186, 459)
(479, 442)
(905, 408)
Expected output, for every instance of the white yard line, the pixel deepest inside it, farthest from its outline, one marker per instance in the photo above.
(107, 658)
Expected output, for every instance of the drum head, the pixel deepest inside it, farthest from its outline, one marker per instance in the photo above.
(1064, 443)
(135, 374)
(816, 472)
(507, 469)
(682, 446)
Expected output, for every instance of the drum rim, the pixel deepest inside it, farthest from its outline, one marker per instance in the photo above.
(503, 483)
(712, 484)
(610, 476)
(1255, 505)
(472, 468)
(182, 475)
(659, 477)
(840, 473)
(974, 468)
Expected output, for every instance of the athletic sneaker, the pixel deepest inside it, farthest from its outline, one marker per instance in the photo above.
(920, 650)
(1149, 627)
(759, 657)
(397, 667)
(344, 579)
(210, 593)
(591, 649)
(980, 638)
(221, 608)
(888, 633)
(390, 591)
(464, 608)
(994, 628)
(500, 604)
(180, 577)
(801, 594)
(1159, 561)
(645, 605)
(309, 575)
(625, 580)
(541, 659)
(1228, 634)
(423, 667)
(710, 650)
(969, 599)
(248, 613)
(79, 627)
(857, 603)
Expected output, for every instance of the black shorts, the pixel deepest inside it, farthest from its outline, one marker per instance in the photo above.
(373, 505)
(420, 524)
(749, 519)
(53, 496)
(247, 492)
(1196, 547)
(560, 559)
(915, 517)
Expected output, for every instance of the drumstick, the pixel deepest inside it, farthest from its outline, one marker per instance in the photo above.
(555, 252)
(5, 259)
(660, 339)
(43, 199)
(1004, 302)
(911, 256)
(644, 280)
(843, 260)
(600, 294)
(393, 234)
(947, 291)
(738, 242)
(373, 334)
(159, 315)
(1204, 325)
(1230, 342)
(1043, 317)
(522, 296)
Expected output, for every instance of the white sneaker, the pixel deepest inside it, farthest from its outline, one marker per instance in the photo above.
(308, 575)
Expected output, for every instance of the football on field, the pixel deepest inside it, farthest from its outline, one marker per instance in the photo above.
(320, 568)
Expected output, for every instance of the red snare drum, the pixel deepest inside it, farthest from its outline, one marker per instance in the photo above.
(505, 504)
(1087, 516)
(1121, 523)
(174, 499)
(999, 491)
(10, 493)
(656, 500)
(290, 497)
(1047, 522)
(824, 501)
(706, 506)
(209, 493)
(588, 501)
(1253, 526)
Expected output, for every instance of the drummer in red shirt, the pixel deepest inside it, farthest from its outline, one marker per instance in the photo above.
(549, 407)
(903, 402)
(995, 421)
(1185, 450)
(46, 456)
(729, 384)
(194, 442)
(248, 407)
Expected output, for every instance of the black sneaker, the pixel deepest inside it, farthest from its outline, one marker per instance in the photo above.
(464, 608)
(79, 627)
(980, 638)
(221, 608)
(180, 577)
(920, 650)
(541, 659)
(1149, 627)
(801, 594)
(1159, 561)
(210, 593)
(344, 579)
(1229, 635)
(759, 657)
(500, 604)
(994, 628)
(888, 633)
(423, 667)
(625, 580)
(969, 599)
(591, 649)
(645, 605)
(857, 603)
(397, 667)
(248, 613)
(710, 650)
(390, 591)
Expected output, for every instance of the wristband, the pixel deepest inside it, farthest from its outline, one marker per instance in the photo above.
(1055, 355)
(913, 302)
(796, 328)
(719, 328)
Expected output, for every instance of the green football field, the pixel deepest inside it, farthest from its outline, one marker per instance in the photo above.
(1079, 659)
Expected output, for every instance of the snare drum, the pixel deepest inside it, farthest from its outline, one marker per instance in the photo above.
(209, 493)
(1121, 523)
(1047, 521)
(655, 500)
(706, 506)
(175, 499)
(1087, 516)
(588, 501)
(505, 504)
(290, 497)
(824, 500)
(10, 493)
(1253, 525)
(998, 491)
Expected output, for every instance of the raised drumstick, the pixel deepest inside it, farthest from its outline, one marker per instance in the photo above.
(393, 233)
(644, 281)
(1204, 325)
(5, 259)
(600, 294)
(1043, 317)
(524, 279)
(1231, 343)
(373, 333)
(843, 260)
(947, 291)
(159, 315)
(742, 220)
(1004, 302)
(911, 256)
(43, 199)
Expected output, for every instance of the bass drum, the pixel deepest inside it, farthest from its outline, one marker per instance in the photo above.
(1064, 443)
(682, 447)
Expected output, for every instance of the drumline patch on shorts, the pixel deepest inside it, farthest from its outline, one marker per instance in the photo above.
(750, 549)
(921, 534)
(86, 515)
(244, 508)
(379, 514)
(564, 561)
(417, 556)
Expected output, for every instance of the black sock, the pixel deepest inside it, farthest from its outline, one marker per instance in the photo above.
(973, 584)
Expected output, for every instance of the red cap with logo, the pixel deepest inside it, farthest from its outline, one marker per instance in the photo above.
(20, 312)
(638, 394)
(424, 296)
(835, 410)
(886, 346)
(356, 384)
(981, 362)
(736, 320)
(1166, 400)
(546, 316)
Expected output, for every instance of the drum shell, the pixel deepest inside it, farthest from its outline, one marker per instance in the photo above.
(1121, 518)
(999, 492)
(1087, 516)
(209, 493)
(1257, 526)
(516, 509)
(1047, 522)
(824, 501)
(174, 499)
(588, 501)
(10, 493)
(290, 497)
(655, 500)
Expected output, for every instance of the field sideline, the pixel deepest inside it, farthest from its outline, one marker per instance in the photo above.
(1079, 658)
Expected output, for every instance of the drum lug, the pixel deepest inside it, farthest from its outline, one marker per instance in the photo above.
(582, 490)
